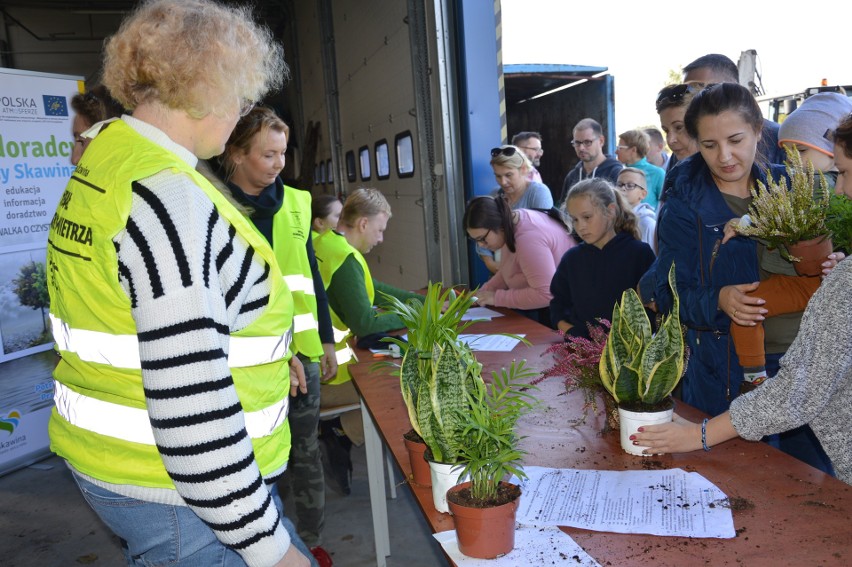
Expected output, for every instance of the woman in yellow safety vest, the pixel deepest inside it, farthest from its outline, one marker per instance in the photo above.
(253, 159)
(173, 385)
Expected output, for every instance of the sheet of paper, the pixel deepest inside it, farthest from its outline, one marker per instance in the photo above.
(480, 313)
(669, 502)
(533, 546)
(491, 343)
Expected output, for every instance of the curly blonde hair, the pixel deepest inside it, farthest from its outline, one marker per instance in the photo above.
(198, 56)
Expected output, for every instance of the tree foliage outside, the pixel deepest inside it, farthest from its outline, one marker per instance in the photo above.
(31, 288)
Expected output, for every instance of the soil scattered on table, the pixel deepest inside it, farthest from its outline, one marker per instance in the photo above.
(653, 465)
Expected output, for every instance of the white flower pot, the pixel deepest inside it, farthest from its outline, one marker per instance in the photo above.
(633, 420)
(444, 477)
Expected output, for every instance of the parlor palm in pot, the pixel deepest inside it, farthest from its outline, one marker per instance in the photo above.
(484, 507)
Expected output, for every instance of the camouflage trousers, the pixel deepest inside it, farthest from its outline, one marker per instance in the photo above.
(304, 479)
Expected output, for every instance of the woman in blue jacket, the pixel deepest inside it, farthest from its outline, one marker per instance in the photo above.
(713, 279)
(703, 193)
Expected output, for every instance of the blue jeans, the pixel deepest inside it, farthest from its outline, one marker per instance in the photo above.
(160, 534)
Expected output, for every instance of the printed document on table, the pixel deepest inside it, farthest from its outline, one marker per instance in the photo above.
(669, 502)
(533, 546)
(480, 313)
(490, 343)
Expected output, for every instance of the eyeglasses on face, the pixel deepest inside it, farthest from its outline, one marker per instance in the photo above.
(584, 143)
(480, 239)
(628, 186)
(246, 107)
(622, 147)
(508, 151)
(536, 150)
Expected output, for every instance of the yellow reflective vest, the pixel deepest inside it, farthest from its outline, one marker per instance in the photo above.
(332, 249)
(291, 228)
(100, 423)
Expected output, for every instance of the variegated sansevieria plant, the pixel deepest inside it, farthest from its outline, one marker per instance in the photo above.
(640, 368)
(438, 371)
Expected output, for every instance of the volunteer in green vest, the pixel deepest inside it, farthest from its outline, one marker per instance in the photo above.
(174, 378)
(352, 296)
(251, 164)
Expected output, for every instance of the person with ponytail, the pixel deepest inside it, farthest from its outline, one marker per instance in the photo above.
(531, 242)
(611, 258)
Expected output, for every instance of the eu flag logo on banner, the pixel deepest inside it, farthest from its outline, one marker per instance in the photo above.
(55, 105)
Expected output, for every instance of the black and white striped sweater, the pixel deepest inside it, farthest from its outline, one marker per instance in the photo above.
(191, 281)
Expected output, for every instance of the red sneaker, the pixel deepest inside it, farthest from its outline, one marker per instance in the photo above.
(322, 556)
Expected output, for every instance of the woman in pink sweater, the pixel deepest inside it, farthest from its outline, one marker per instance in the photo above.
(532, 243)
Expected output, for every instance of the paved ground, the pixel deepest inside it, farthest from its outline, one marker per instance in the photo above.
(44, 522)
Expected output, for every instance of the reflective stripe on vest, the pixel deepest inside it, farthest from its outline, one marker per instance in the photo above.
(299, 282)
(122, 351)
(345, 355)
(340, 335)
(305, 322)
(134, 424)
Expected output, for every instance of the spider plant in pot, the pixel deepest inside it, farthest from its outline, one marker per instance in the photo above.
(484, 507)
(640, 369)
(436, 372)
(793, 219)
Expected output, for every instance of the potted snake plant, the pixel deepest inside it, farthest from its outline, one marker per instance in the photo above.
(436, 373)
(639, 368)
(484, 507)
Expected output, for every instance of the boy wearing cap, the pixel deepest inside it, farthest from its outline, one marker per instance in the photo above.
(808, 129)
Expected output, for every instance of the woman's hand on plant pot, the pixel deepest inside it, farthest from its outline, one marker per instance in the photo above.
(677, 436)
(833, 259)
(742, 308)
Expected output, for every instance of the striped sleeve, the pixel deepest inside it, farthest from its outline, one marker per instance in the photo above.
(192, 281)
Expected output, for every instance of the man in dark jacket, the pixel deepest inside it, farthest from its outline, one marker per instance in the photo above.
(588, 143)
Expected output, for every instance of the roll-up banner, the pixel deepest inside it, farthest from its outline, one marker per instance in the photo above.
(35, 152)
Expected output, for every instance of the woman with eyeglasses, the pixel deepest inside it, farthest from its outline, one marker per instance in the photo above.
(531, 243)
(174, 380)
(90, 108)
(813, 384)
(511, 169)
(715, 278)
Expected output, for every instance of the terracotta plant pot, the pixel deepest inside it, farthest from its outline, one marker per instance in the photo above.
(420, 472)
(484, 533)
(813, 253)
(633, 420)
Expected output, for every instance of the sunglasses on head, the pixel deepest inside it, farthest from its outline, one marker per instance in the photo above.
(508, 151)
(677, 92)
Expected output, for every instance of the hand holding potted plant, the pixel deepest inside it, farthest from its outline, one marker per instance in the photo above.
(793, 219)
(484, 507)
(640, 369)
